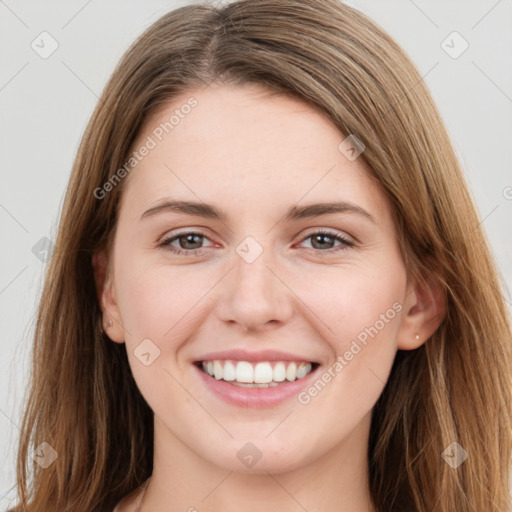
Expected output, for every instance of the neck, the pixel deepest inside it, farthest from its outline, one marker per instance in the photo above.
(182, 480)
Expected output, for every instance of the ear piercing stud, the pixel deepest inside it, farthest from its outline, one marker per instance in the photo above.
(108, 324)
(417, 336)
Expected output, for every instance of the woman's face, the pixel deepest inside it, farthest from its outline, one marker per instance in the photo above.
(255, 286)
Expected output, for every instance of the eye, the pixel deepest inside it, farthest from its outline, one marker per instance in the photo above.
(190, 242)
(322, 240)
(185, 240)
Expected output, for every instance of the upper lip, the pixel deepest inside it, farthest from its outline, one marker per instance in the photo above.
(244, 355)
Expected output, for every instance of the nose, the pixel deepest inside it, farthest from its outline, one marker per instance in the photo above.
(254, 295)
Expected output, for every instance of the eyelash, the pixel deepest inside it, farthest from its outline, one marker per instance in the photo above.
(196, 252)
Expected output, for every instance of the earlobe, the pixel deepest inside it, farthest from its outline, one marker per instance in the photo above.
(111, 321)
(424, 310)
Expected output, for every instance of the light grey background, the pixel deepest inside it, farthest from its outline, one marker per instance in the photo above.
(46, 103)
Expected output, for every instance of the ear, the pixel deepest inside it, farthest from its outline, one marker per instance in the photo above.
(105, 291)
(424, 310)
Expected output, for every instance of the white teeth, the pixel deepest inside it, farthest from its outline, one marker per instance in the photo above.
(261, 375)
(244, 372)
(217, 370)
(302, 370)
(229, 371)
(291, 371)
(253, 385)
(279, 373)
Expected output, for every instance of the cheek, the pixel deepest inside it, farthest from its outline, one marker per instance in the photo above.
(367, 315)
(156, 300)
(364, 314)
(158, 304)
(359, 312)
(348, 301)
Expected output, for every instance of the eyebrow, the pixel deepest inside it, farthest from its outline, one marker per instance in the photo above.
(294, 213)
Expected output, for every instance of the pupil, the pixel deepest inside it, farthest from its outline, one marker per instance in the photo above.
(322, 238)
(189, 238)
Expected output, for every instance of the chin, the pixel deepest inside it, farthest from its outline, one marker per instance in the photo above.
(260, 456)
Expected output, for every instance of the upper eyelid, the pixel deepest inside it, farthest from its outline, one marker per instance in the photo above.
(174, 236)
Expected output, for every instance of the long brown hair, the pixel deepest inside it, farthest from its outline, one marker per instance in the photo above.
(456, 387)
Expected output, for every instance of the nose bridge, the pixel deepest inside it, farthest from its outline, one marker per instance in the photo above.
(255, 295)
(252, 273)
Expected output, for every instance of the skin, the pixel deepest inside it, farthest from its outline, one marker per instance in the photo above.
(254, 155)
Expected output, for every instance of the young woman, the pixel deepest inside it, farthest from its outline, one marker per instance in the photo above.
(270, 289)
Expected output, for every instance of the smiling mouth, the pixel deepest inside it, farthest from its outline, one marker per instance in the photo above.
(262, 374)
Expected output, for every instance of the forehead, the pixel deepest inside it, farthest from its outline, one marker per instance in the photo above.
(245, 145)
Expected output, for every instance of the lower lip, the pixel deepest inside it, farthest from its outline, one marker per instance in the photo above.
(255, 397)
